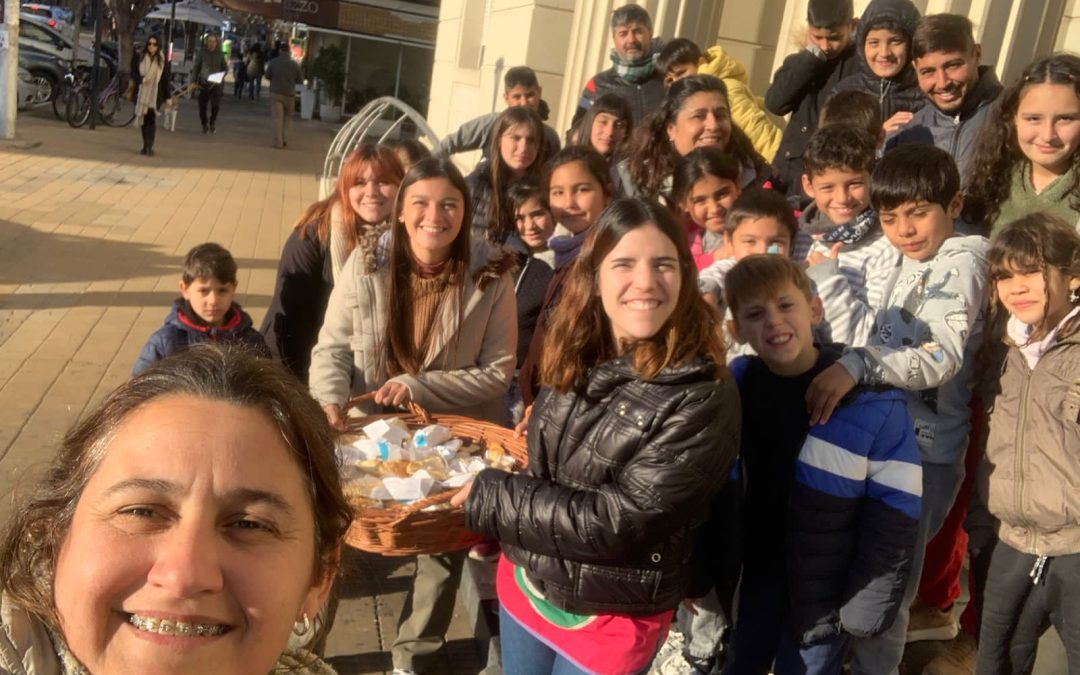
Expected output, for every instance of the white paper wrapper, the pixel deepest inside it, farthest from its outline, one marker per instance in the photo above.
(430, 436)
(393, 431)
(359, 450)
(416, 486)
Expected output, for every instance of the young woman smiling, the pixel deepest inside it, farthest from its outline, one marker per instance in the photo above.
(351, 219)
(633, 434)
(517, 151)
(436, 323)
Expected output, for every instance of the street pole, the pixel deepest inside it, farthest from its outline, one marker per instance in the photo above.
(170, 24)
(9, 66)
(98, 20)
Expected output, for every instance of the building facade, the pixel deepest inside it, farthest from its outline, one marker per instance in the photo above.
(568, 41)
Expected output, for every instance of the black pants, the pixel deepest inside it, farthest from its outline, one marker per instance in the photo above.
(1016, 612)
(149, 129)
(209, 94)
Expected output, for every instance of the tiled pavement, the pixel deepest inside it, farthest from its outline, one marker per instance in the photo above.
(91, 237)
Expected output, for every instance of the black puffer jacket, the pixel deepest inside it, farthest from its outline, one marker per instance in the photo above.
(619, 475)
(895, 94)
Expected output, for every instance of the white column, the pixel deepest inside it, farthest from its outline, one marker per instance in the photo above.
(9, 68)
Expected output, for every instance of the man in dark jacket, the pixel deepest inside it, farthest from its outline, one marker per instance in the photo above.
(634, 76)
(960, 91)
(802, 83)
(208, 61)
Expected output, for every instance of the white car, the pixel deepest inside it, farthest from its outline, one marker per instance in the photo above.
(28, 89)
(57, 18)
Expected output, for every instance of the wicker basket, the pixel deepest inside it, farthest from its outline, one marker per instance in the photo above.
(409, 529)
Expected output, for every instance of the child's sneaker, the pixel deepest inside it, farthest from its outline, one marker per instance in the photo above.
(958, 658)
(931, 623)
(486, 551)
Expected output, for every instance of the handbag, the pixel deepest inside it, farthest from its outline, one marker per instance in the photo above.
(129, 93)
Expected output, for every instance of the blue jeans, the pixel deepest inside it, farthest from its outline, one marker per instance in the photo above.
(763, 634)
(523, 654)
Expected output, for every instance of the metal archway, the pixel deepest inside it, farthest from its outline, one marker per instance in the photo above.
(380, 120)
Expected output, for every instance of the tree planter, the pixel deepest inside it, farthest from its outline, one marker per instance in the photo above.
(329, 112)
(307, 103)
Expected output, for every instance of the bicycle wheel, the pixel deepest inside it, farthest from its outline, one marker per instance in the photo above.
(60, 99)
(78, 107)
(117, 111)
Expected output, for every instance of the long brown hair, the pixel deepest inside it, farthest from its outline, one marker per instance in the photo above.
(997, 153)
(34, 534)
(580, 335)
(316, 218)
(399, 348)
(650, 156)
(500, 220)
(1038, 242)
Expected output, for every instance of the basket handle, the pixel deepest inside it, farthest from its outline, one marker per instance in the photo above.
(424, 503)
(412, 406)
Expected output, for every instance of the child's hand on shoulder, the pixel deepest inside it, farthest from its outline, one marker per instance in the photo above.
(826, 391)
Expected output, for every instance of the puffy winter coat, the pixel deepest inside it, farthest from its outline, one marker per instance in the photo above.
(896, 94)
(1030, 475)
(619, 474)
(800, 87)
(747, 110)
(180, 331)
(854, 510)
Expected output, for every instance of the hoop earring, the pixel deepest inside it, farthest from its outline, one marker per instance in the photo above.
(303, 626)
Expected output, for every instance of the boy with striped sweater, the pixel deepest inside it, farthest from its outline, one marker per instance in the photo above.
(830, 512)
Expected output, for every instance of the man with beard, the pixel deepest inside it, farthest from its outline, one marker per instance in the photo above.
(634, 76)
(946, 60)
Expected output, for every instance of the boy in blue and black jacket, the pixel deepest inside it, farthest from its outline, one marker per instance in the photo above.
(829, 513)
(205, 311)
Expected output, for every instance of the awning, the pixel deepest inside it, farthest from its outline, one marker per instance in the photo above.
(194, 11)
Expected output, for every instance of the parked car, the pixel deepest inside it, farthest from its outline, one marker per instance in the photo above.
(57, 18)
(28, 90)
(35, 33)
(46, 69)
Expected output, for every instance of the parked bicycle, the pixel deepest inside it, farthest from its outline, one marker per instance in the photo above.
(113, 109)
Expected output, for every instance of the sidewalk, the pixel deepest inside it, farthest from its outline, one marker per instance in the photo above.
(91, 238)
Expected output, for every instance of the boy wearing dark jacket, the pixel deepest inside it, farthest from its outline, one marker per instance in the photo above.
(205, 312)
(883, 43)
(800, 86)
(830, 512)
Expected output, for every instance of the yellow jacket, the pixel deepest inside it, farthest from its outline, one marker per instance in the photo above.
(747, 110)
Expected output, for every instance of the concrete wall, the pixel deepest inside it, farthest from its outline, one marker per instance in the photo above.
(568, 41)
(479, 39)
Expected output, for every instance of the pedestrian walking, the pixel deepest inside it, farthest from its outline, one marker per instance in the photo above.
(283, 74)
(255, 64)
(151, 73)
(209, 61)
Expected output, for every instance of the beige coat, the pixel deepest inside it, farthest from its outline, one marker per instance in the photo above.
(468, 367)
(1030, 476)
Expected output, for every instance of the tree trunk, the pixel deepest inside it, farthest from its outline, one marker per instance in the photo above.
(127, 15)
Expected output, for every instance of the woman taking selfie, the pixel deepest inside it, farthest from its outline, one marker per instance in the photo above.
(190, 524)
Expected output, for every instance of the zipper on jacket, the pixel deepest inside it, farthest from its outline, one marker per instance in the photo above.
(1018, 462)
